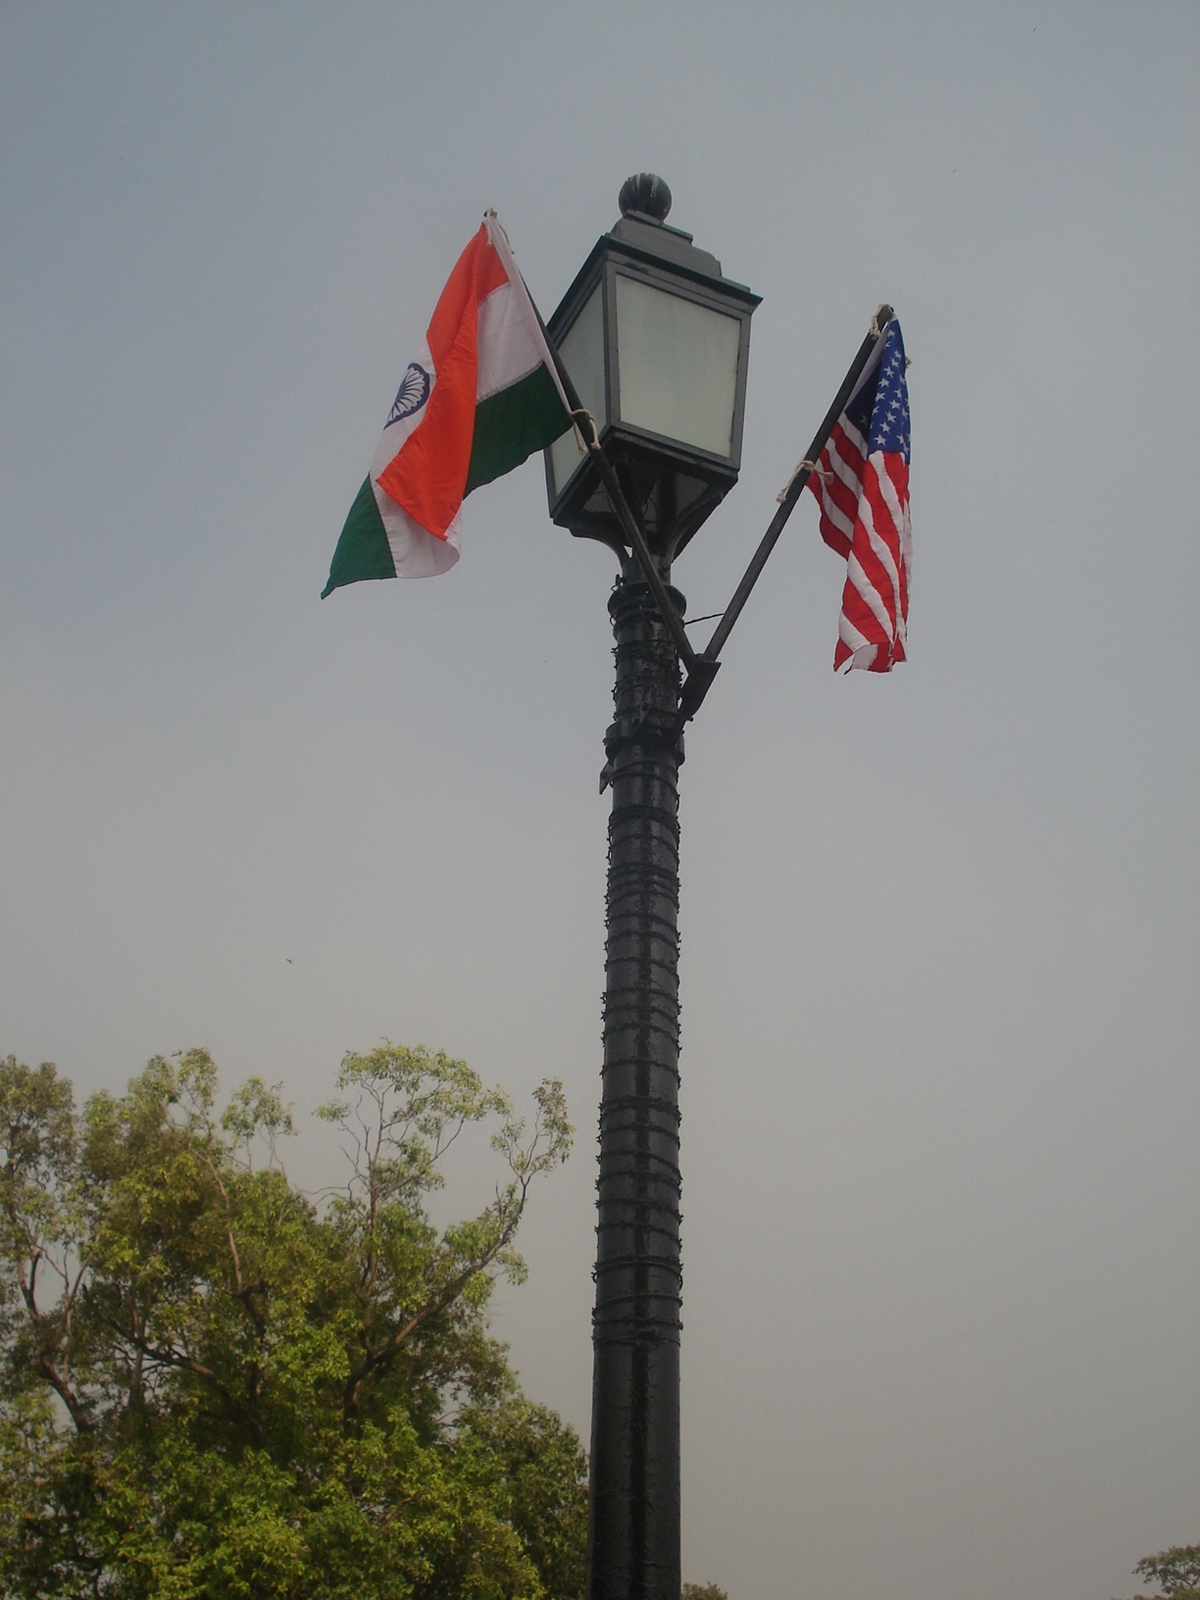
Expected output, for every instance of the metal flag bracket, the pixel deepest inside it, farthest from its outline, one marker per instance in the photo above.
(701, 667)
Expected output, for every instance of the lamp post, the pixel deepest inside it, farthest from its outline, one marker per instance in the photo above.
(656, 341)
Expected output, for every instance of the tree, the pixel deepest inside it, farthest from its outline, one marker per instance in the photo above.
(212, 1385)
(703, 1591)
(1176, 1571)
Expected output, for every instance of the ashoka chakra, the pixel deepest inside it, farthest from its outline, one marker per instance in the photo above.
(411, 395)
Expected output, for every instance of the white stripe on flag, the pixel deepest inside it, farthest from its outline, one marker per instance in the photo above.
(416, 553)
(852, 435)
(887, 491)
(847, 472)
(849, 634)
(868, 593)
(395, 435)
(508, 350)
(864, 658)
(836, 515)
(881, 552)
(504, 250)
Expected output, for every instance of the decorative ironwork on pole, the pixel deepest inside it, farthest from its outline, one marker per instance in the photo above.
(634, 1500)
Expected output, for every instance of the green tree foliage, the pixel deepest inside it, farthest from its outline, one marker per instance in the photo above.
(1176, 1571)
(703, 1591)
(212, 1386)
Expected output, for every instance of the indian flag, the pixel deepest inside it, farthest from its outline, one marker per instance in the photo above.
(481, 395)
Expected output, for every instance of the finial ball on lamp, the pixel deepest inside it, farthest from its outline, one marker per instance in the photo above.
(645, 192)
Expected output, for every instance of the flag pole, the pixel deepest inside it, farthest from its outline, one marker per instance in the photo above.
(696, 686)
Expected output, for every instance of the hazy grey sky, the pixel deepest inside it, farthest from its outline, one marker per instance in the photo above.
(940, 931)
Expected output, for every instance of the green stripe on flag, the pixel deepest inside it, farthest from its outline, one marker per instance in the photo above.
(363, 550)
(511, 425)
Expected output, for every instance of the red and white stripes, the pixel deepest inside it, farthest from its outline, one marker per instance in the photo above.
(861, 486)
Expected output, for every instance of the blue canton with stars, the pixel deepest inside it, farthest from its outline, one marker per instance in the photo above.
(880, 410)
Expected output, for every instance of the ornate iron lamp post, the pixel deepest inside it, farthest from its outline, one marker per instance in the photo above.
(656, 340)
(652, 343)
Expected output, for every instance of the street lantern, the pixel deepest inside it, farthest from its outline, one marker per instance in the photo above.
(657, 341)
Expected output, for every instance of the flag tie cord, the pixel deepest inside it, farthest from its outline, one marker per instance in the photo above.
(809, 468)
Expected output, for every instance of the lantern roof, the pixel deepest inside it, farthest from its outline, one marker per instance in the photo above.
(642, 237)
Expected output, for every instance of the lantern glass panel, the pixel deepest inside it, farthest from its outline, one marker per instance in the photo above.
(678, 364)
(582, 351)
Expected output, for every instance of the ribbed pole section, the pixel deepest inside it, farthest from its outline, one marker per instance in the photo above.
(633, 1544)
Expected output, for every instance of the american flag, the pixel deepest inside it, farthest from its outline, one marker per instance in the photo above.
(861, 483)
